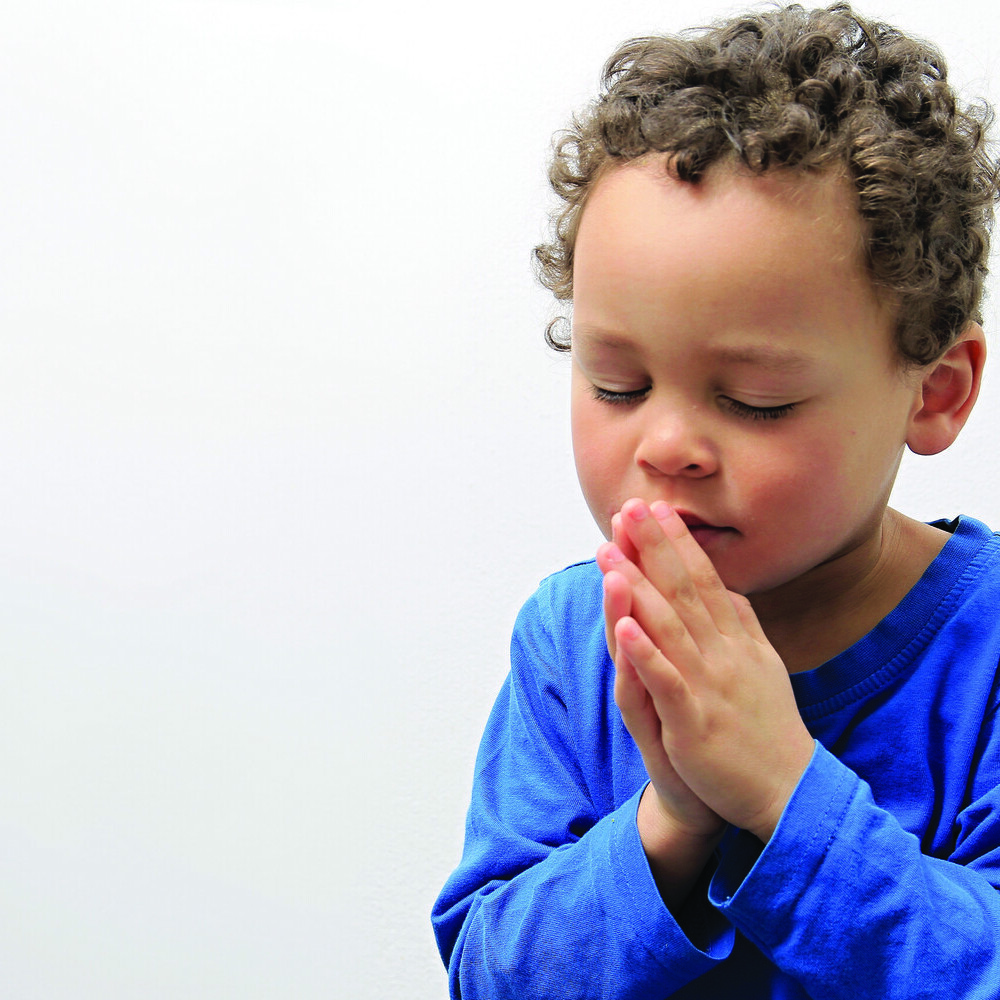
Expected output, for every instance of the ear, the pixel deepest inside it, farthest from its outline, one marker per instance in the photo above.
(949, 387)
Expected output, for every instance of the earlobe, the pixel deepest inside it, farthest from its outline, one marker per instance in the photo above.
(949, 388)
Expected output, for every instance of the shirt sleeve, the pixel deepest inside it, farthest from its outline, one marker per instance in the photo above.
(843, 901)
(551, 898)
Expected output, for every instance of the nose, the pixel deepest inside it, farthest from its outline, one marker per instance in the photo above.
(673, 443)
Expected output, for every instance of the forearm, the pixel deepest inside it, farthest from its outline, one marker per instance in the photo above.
(844, 902)
(676, 858)
(585, 921)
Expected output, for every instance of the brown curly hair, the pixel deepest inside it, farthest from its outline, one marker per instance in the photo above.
(805, 89)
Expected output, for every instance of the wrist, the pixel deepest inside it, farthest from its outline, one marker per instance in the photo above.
(677, 854)
(764, 826)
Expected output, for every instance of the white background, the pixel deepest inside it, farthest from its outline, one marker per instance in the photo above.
(281, 453)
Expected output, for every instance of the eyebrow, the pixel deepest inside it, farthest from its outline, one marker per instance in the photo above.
(603, 338)
(767, 356)
(770, 357)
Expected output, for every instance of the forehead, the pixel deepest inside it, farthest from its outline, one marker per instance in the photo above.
(754, 254)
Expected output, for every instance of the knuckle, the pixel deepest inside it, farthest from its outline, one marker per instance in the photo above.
(671, 629)
(623, 695)
(704, 577)
(621, 699)
(741, 603)
(682, 592)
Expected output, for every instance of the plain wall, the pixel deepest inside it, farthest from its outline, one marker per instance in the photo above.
(281, 453)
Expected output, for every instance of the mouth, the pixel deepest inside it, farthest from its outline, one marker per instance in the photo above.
(704, 533)
(693, 521)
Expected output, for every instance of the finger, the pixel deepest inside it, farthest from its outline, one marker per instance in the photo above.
(637, 711)
(665, 684)
(621, 539)
(691, 592)
(617, 604)
(652, 610)
(748, 617)
(714, 592)
(679, 569)
(643, 724)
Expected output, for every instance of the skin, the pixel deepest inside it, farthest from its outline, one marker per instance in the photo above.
(739, 413)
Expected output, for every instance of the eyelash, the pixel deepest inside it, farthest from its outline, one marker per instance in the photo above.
(758, 412)
(740, 409)
(618, 398)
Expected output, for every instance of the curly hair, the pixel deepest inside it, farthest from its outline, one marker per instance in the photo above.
(805, 89)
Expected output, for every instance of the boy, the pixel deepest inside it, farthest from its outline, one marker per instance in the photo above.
(753, 749)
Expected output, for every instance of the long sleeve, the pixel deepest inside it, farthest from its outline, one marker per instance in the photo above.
(554, 897)
(843, 900)
(880, 881)
(881, 878)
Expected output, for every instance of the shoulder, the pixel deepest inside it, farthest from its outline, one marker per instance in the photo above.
(572, 595)
(962, 593)
(972, 554)
(560, 628)
(576, 581)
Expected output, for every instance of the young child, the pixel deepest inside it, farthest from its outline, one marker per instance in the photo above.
(753, 750)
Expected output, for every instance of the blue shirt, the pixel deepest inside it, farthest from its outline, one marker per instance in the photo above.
(880, 880)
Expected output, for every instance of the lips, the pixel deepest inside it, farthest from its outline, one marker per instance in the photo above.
(704, 534)
(692, 520)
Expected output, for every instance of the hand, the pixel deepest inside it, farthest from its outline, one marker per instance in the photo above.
(676, 806)
(678, 831)
(725, 717)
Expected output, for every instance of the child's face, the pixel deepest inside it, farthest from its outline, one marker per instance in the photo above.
(730, 357)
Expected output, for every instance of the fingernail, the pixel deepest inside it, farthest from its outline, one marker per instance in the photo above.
(612, 553)
(661, 510)
(638, 512)
(628, 628)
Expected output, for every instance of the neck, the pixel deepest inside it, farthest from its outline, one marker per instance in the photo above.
(828, 609)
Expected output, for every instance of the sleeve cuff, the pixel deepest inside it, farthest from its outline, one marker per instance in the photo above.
(689, 948)
(758, 887)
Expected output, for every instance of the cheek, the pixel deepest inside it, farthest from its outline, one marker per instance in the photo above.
(801, 480)
(601, 463)
(823, 491)
(591, 439)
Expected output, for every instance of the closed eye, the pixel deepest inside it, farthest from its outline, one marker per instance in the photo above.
(618, 398)
(757, 412)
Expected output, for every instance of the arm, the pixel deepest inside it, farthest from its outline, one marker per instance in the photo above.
(552, 898)
(722, 714)
(678, 831)
(842, 899)
(829, 887)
